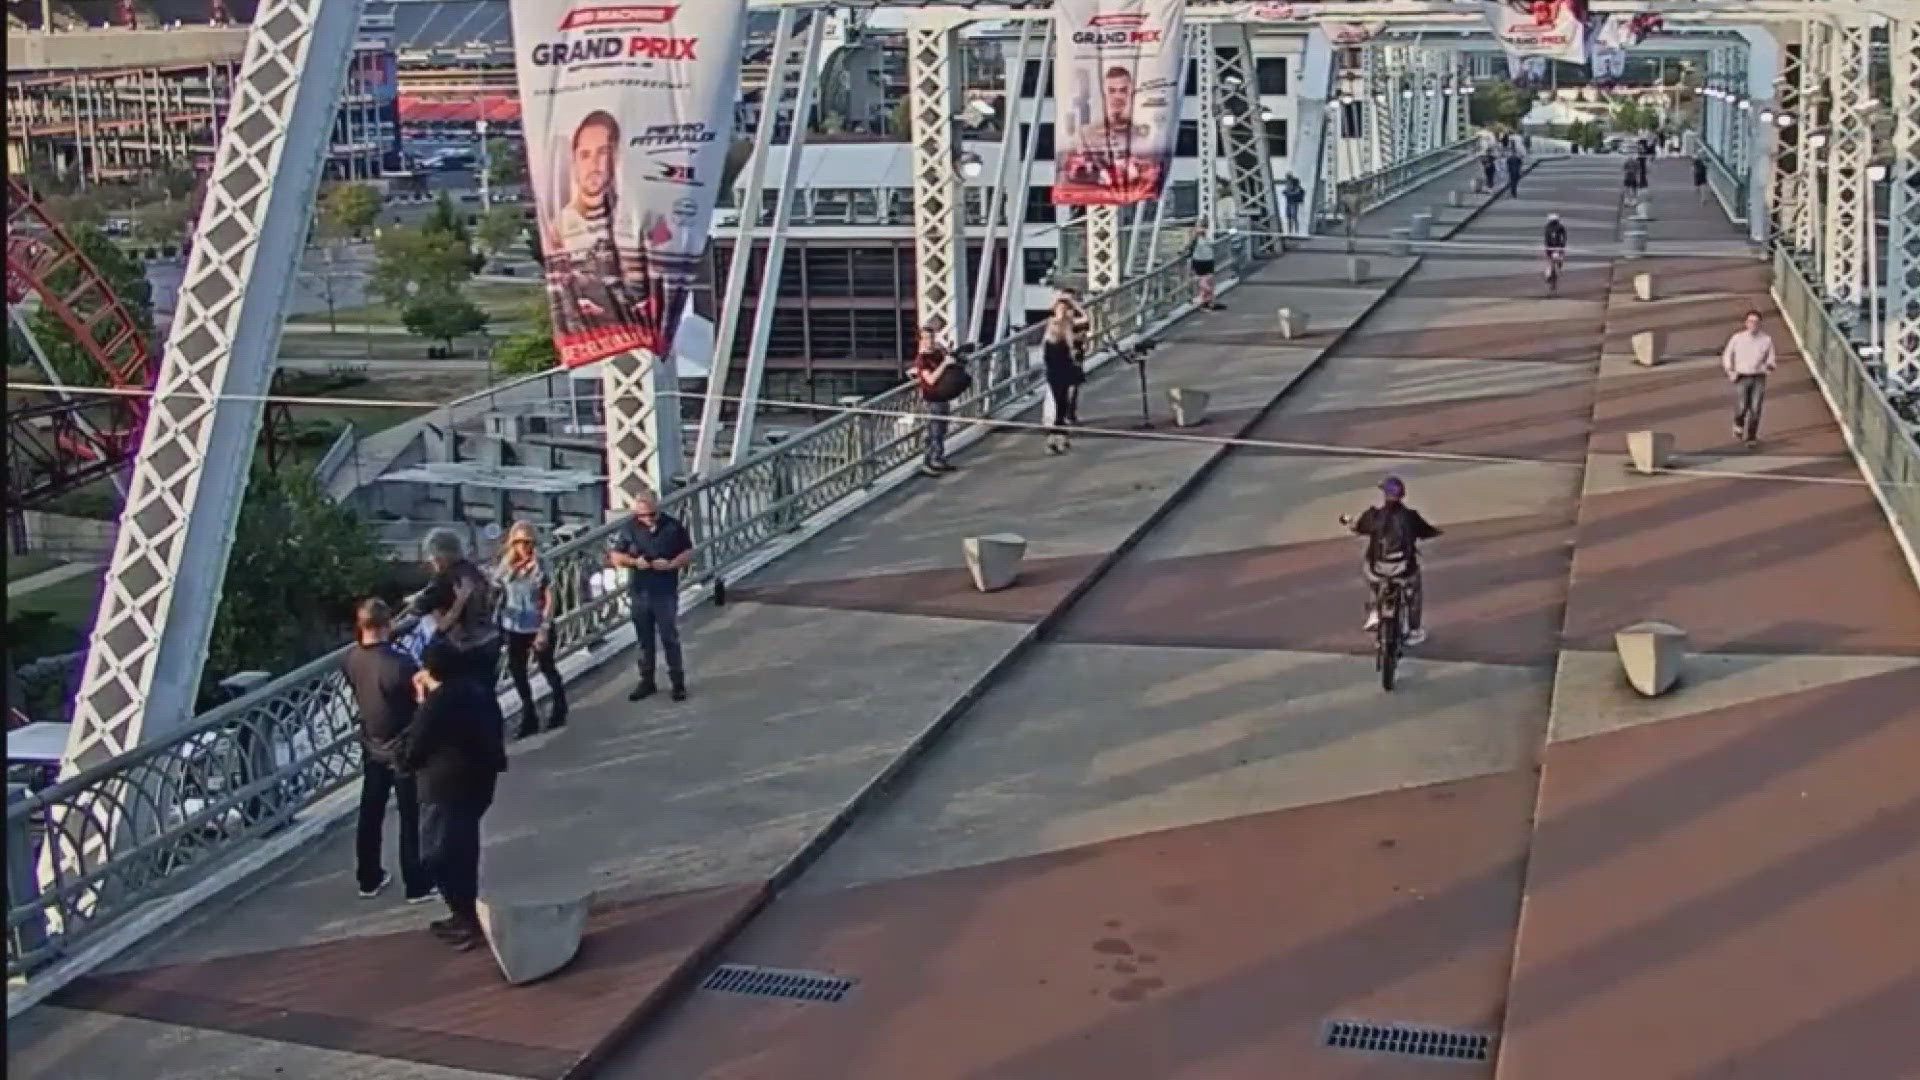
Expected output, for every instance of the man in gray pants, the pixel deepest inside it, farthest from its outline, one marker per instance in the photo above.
(1747, 360)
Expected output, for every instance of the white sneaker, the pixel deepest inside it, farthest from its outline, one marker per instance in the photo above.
(1417, 637)
(1373, 620)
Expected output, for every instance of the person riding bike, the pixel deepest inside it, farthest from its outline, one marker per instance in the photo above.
(1394, 531)
(1556, 239)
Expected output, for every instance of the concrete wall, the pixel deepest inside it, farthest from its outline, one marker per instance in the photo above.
(115, 48)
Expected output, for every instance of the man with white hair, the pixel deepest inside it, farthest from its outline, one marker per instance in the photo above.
(459, 604)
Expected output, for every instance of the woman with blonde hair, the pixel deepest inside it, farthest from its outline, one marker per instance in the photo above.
(526, 618)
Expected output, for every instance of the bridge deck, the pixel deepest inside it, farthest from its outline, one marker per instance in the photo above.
(1186, 827)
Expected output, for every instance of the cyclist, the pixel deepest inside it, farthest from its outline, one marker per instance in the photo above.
(1556, 238)
(1394, 531)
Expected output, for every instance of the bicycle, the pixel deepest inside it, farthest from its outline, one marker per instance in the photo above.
(1556, 261)
(1390, 629)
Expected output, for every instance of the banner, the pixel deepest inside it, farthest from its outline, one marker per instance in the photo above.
(1549, 29)
(1116, 81)
(627, 110)
(1352, 33)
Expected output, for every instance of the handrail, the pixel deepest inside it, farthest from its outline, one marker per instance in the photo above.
(1729, 188)
(336, 455)
(163, 814)
(1887, 446)
(1368, 191)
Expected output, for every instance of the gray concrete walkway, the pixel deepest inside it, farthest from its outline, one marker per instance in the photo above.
(817, 677)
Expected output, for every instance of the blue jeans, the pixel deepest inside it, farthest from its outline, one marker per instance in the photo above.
(657, 613)
(450, 846)
(937, 432)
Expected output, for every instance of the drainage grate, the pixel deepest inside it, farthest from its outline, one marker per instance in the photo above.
(1412, 1041)
(773, 982)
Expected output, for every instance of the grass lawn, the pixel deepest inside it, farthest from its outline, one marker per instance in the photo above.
(505, 303)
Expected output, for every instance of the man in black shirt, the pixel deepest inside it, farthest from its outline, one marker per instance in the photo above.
(381, 677)
(457, 749)
(1394, 531)
(653, 548)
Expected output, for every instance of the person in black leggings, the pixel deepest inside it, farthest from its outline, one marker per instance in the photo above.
(1061, 352)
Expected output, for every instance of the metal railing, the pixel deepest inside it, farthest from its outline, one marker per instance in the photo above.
(156, 819)
(1887, 445)
(1728, 187)
(1354, 198)
(337, 455)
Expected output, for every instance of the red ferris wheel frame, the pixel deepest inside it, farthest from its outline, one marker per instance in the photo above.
(38, 248)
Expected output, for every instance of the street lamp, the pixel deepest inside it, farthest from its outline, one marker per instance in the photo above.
(971, 166)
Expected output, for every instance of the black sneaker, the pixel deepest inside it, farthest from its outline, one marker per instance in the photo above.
(558, 720)
(462, 939)
(929, 470)
(432, 893)
(447, 927)
(646, 689)
(378, 888)
(679, 693)
(947, 467)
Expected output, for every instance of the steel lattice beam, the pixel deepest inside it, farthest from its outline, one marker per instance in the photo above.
(1902, 345)
(1816, 56)
(1848, 153)
(150, 637)
(1256, 199)
(1786, 187)
(1207, 186)
(940, 263)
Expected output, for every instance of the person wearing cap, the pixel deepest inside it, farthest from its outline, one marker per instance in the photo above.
(1394, 531)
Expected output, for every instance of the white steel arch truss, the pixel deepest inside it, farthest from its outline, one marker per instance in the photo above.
(149, 643)
(933, 94)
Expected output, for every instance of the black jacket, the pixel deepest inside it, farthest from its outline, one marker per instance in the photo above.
(457, 745)
(1393, 533)
(1556, 234)
(381, 677)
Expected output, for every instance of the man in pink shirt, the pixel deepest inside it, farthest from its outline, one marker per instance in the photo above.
(1747, 359)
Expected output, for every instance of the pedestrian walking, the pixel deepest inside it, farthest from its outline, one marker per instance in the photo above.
(1748, 358)
(1201, 259)
(1489, 169)
(457, 749)
(941, 380)
(381, 675)
(1630, 178)
(1295, 194)
(1513, 176)
(653, 547)
(526, 619)
(1700, 177)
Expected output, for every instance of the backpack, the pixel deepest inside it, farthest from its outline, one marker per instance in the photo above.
(951, 384)
(1395, 536)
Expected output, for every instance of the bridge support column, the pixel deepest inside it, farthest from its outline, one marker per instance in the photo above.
(933, 87)
(1786, 186)
(1902, 335)
(1256, 199)
(1809, 224)
(1207, 183)
(149, 642)
(1848, 154)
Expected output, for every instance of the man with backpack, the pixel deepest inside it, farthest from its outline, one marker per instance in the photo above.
(941, 379)
(1394, 531)
(1295, 194)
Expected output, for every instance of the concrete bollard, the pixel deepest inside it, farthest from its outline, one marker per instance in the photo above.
(1649, 348)
(1189, 406)
(1643, 211)
(1636, 241)
(1293, 324)
(1643, 286)
(994, 561)
(1397, 241)
(1358, 270)
(532, 939)
(1422, 227)
(1456, 198)
(1650, 451)
(1652, 654)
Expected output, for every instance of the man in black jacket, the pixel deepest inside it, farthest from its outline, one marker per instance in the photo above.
(1394, 532)
(457, 749)
(381, 677)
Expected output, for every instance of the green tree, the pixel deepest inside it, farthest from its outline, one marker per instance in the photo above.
(163, 222)
(414, 265)
(299, 563)
(506, 161)
(500, 226)
(446, 220)
(443, 318)
(1498, 103)
(128, 280)
(529, 351)
(349, 210)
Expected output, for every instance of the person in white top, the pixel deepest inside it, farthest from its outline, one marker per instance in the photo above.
(1202, 260)
(1747, 360)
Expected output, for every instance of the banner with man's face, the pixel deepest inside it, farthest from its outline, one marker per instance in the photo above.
(1116, 82)
(1548, 29)
(628, 110)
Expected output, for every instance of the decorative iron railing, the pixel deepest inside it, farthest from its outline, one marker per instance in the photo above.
(86, 851)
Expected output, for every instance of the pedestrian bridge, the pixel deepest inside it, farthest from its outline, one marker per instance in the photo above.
(1147, 813)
